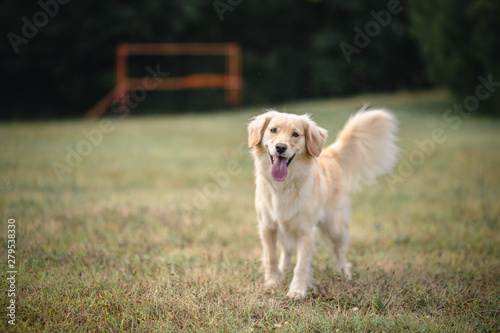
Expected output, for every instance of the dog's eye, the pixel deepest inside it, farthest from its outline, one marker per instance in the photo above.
(274, 130)
(295, 134)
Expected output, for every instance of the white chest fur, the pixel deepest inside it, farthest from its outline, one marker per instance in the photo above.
(289, 206)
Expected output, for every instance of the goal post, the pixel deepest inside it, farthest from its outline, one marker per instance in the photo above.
(231, 80)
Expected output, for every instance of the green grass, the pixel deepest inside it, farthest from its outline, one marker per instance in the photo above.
(126, 242)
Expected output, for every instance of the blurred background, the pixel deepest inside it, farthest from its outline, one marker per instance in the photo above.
(58, 55)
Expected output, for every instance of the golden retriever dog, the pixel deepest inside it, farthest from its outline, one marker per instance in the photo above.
(302, 188)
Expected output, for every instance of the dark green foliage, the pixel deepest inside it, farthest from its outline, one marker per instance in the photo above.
(459, 41)
(291, 51)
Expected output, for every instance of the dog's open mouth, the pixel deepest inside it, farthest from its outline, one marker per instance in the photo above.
(279, 169)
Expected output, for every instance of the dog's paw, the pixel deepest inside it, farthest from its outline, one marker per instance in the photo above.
(299, 287)
(297, 290)
(346, 271)
(273, 280)
(296, 295)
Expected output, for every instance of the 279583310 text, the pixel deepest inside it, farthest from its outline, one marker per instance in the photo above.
(12, 272)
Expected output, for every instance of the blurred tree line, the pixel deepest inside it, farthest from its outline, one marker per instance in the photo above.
(459, 41)
(58, 55)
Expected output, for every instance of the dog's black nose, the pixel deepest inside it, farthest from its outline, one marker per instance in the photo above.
(281, 148)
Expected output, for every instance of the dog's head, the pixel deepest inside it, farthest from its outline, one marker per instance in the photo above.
(285, 137)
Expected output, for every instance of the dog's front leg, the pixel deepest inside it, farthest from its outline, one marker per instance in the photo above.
(302, 271)
(269, 238)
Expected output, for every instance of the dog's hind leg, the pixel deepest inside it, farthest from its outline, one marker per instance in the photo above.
(287, 247)
(285, 259)
(341, 243)
(336, 227)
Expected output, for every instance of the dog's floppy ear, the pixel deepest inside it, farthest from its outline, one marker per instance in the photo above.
(315, 137)
(257, 126)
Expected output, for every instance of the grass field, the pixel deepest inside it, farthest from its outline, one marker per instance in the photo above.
(151, 227)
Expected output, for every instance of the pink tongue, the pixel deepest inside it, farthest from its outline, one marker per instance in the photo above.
(279, 170)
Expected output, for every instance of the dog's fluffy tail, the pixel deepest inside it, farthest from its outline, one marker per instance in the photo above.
(366, 148)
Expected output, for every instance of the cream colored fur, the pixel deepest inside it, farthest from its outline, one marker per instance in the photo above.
(314, 193)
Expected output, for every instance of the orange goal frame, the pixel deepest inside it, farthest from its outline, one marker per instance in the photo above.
(231, 80)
